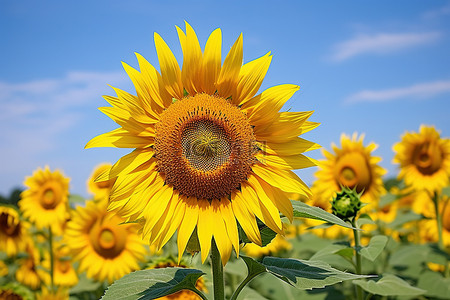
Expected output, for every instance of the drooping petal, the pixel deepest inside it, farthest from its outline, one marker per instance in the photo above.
(245, 218)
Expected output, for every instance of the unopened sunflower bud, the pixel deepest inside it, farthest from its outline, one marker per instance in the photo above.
(347, 203)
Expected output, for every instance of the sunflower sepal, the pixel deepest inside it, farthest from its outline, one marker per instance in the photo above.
(147, 283)
(347, 203)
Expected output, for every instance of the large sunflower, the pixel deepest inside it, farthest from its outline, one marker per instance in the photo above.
(45, 202)
(106, 249)
(352, 165)
(209, 153)
(12, 231)
(424, 159)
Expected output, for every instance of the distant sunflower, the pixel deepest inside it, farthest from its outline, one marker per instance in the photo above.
(63, 272)
(45, 201)
(278, 244)
(12, 231)
(352, 165)
(49, 294)
(100, 189)
(105, 248)
(27, 273)
(184, 294)
(209, 151)
(424, 159)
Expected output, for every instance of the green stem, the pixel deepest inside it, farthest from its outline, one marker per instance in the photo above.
(356, 234)
(438, 220)
(52, 263)
(243, 284)
(217, 270)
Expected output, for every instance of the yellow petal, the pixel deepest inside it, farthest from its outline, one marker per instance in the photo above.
(142, 113)
(170, 70)
(192, 60)
(175, 220)
(292, 146)
(245, 218)
(205, 227)
(250, 78)
(123, 118)
(187, 225)
(131, 161)
(292, 162)
(230, 223)
(212, 59)
(229, 73)
(156, 207)
(119, 138)
(220, 232)
(278, 198)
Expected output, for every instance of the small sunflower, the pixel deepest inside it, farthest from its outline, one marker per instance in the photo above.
(428, 228)
(424, 159)
(278, 244)
(27, 272)
(105, 248)
(352, 165)
(63, 272)
(45, 202)
(49, 294)
(12, 231)
(100, 189)
(184, 294)
(209, 152)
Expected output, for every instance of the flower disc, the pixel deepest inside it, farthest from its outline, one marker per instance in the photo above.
(204, 146)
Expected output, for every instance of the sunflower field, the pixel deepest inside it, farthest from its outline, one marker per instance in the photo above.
(207, 204)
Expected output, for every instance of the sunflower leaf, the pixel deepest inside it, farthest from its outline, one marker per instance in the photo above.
(267, 234)
(435, 285)
(389, 285)
(302, 210)
(152, 284)
(306, 274)
(375, 247)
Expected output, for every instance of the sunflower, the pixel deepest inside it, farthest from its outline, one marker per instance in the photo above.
(209, 151)
(3, 269)
(27, 272)
(106, 249)
(12, 231)
(63, 272)
(45, 201)
(278, 244)
(100, 189)
(424, 159)
(183, 294)
(49, 294)
(429, 231)
(352, 165)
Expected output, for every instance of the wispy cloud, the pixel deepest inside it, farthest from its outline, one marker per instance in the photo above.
(416, 91)
(381, 43)
(35, 116)
(439, 12)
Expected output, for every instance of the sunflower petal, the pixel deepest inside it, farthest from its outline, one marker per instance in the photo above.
(229, 73)
(212, 59)
(187, 225)
(245, 218)
(192, 60)
(205, 227)
(119, 138)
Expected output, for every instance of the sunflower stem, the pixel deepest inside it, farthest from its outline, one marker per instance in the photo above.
(52, 266)
(356, 234)
(217, 270)
(438, 220)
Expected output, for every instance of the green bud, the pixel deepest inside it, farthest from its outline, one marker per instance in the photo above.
(346, 204)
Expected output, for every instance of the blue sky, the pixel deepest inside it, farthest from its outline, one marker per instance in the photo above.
(379, 68)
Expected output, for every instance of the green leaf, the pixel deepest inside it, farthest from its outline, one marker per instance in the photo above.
(253, 266)
(152, 284)
(346, 252)
(389, 285)
(403, 218)
(387, 199)
(305, 274)
(73, 198)
(435, 285)
(375, 247)
(302, 210)
(446, 191)
(85, 285)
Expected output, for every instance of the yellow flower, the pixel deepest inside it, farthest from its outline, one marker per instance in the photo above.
(184, 294)
(100, 189)
(106, 249)
(63, 272)
(388, 213)
(278, 244)
(27, 271)
(3, 269)
(209, 151)
(424, 159)
(45, 201)
(429, 227)
(352, 165)
(48, 294)
(12, 231)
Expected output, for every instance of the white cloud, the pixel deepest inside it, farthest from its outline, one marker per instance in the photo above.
(381, 43)
(417, 91)
(436, 13)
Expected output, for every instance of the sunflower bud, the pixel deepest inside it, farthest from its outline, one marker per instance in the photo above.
(347, 203)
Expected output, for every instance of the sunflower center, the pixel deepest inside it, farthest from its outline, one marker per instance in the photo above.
(352, 170)
(50, 196)
(107, 238)
(204, 146)
(427, 157)
(9, 225)
(64, 266)
(10, 295)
